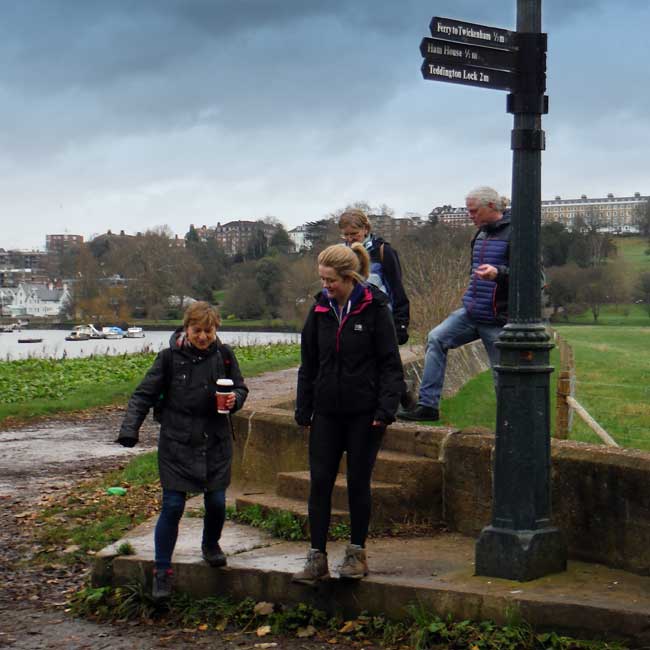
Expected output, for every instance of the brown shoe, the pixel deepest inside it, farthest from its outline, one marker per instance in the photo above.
(315, 569)
(355, 565)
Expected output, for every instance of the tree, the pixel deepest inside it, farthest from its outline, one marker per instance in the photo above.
(563, 283)
(321, 233)
(643, 219)
(556, 241)
(280, 240)
(601, 285)
(257, 245)
(642, 290)
(268, 276)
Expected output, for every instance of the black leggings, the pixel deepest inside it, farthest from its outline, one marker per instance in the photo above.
(329, 437)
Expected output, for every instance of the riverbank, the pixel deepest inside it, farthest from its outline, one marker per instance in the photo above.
(38, 387)
(172, 324)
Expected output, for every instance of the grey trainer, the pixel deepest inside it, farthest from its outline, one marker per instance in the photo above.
(315, 569)
(162, 584)
(355, 565)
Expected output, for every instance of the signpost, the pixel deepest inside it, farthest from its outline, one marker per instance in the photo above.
(520, 543)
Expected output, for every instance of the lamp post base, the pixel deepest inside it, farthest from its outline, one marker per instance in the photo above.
(520, 555)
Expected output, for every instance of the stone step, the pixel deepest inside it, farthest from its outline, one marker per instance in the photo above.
(270, 502)
(387, 499)
(420, 479)
(417, 439)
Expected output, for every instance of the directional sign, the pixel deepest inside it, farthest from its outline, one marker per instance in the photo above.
(469, 75)
(456, 30)
(435, 50)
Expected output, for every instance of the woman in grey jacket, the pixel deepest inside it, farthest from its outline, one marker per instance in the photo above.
(195, 443)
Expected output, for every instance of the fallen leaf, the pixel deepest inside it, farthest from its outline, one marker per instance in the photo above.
(349, 626)
(304, 632)
(263, 608)
(266, 645)
(263, 630)
(203, 627)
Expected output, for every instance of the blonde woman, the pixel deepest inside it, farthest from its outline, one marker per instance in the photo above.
(349, 386)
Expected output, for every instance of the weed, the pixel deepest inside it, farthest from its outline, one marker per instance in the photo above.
(423, 630)
(125, 548)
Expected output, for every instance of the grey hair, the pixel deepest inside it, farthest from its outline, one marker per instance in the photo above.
(486, 195)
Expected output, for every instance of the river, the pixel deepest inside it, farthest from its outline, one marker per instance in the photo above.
(54, 344)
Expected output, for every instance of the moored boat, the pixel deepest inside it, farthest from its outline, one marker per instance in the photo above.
(79, 333)
(113, 332)
(134, 333)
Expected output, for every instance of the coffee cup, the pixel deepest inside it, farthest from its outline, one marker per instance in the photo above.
(224, 390)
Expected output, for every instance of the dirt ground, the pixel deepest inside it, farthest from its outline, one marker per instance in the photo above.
(55, 454)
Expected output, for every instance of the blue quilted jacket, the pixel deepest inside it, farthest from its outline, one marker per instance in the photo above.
(486, 301)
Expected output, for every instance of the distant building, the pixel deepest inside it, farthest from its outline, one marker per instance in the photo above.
(18, 266)
(391, 228)
(235, 236)
(450, 216)
(609, 214)
(37, 300)
(59, 244)
(298, 237)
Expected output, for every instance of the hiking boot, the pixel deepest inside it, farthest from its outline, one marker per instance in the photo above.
(214, 557)
(419, 413)
(315, 569)
(355, 565)
(162, 584)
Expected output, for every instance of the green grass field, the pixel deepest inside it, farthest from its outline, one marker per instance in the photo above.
(613, 384)
(632, 250)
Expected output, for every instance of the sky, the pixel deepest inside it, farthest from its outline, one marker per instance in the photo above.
(132, 114)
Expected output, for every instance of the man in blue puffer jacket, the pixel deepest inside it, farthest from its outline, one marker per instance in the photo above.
(485, 303)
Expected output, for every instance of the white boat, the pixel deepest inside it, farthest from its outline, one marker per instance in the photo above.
(112, 332)
(79, 333)
(134, 333)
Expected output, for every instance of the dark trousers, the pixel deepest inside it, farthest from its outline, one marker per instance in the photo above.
(329, 437)
(173, 505)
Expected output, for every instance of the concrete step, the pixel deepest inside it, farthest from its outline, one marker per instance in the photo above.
(420, 479)
(415, 438)
(270, 502)
(387, 499)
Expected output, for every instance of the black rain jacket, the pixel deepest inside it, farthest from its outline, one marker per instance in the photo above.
(195, 443)
(353, 367)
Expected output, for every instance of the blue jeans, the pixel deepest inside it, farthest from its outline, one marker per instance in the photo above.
(457, 329)
(173, 505)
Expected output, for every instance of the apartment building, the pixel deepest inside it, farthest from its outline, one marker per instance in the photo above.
(615, 214)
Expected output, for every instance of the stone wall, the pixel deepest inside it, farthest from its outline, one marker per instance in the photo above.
(601, 498)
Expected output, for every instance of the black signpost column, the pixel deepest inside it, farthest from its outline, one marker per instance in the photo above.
(521, 544)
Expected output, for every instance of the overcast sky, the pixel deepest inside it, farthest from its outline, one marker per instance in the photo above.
(129, 114)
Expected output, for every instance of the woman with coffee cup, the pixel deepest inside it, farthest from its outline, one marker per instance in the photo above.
(349, 386)
(195, 443)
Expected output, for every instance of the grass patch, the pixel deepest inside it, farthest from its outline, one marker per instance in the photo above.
(213, 616)
(633, 251)
(88, 519)
(38, 387)
(613, 384)
(622, 315)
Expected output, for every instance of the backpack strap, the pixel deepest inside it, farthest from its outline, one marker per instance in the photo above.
(381, 253)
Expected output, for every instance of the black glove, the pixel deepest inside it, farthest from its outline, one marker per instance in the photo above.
(302, 421)
(127, 442)
(380, 427)
(402, 334)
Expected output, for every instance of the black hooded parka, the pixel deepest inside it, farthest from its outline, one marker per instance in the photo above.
(350, 367)
(195, 443)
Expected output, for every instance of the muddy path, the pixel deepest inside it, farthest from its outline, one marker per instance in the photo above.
(47, 456)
